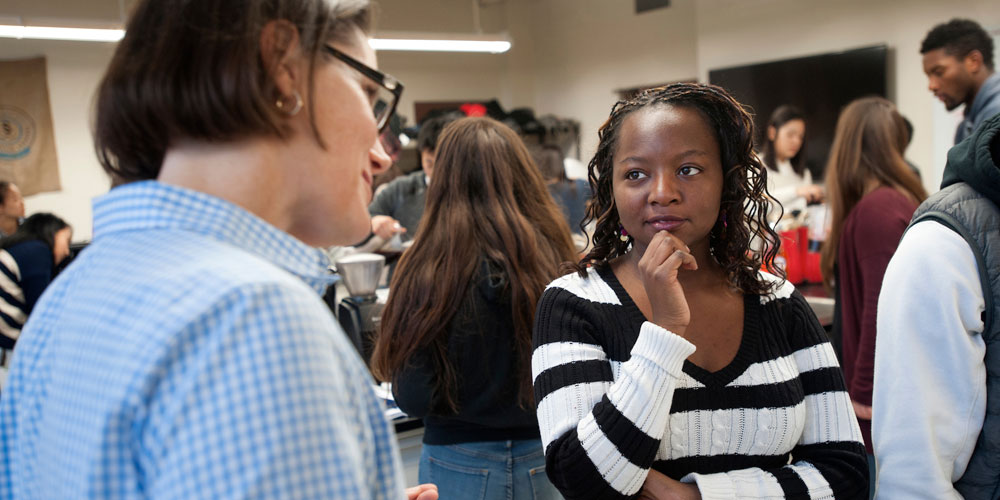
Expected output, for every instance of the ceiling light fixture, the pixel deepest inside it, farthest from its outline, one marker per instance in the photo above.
(441, 42)
(59, 33)
(436, 42)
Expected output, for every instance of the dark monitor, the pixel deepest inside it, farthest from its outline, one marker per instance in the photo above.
(820, 85)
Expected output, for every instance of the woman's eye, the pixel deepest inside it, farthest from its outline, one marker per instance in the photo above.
(634, 175)
(688, 170)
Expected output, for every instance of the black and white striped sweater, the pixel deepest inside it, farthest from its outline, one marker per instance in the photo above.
(616, 396)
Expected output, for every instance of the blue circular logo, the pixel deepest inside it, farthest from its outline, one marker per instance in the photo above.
(17, 133)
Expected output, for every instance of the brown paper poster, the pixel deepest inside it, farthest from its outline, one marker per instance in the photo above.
(27, 142)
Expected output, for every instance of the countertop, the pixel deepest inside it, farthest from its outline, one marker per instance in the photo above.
(820, 302)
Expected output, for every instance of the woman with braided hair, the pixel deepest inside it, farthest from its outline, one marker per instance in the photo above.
(669, 365)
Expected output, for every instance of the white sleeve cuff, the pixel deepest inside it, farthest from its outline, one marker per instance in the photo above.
(662, 348)
(712, 486)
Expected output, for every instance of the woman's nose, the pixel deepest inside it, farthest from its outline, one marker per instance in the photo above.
(663, 190)
(380, 160)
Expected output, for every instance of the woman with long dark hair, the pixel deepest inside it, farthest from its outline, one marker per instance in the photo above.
(788, 180)
(872, 195)
(455, 336)
(669, 365)
(28, 260)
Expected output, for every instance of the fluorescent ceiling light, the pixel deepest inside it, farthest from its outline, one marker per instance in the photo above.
(494, 47)
(410, 42)
(54, 33)
(441, 42)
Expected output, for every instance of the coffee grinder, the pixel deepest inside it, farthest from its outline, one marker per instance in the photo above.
(358, 312)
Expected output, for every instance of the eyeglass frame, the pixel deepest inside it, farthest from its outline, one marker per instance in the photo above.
(385, 81)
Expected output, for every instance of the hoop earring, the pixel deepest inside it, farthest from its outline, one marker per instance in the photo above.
(284, 107)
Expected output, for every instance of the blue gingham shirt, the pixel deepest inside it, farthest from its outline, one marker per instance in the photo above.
(186, 353)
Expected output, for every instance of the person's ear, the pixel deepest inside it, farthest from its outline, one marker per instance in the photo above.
(281, 55)
(973, 62)
(772, 133)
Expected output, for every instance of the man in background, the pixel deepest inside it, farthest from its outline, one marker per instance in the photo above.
(958, 61)
(936, 396)
(398, 207)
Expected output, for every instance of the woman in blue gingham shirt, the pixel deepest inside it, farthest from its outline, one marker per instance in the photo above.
(187, 352)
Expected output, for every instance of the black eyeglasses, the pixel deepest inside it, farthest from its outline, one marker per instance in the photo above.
(389, 89)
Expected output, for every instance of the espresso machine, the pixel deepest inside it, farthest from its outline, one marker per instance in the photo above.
(359, 312)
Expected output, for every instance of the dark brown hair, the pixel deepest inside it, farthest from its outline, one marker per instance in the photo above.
(744, 185)
(487, 200)
(782, 115)
(194, 70)
(867, 146)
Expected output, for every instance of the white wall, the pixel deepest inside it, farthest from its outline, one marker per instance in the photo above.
(585, 50)
(74, 70)
(568, 56)
(445, 77)
(430, 76)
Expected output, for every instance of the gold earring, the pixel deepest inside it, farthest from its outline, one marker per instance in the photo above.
(294, 108)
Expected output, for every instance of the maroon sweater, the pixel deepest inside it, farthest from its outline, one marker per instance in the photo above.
(871, 233)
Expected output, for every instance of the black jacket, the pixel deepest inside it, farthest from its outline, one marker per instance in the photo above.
(481, 349)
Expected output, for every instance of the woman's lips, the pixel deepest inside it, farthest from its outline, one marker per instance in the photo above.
(665, 223)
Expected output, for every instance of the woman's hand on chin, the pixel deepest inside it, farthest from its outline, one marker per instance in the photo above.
(665, 256)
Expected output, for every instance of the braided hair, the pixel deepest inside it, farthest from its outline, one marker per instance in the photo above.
(745, 200)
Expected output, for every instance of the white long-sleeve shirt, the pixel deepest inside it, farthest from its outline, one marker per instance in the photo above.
(783, 185)
(929, 398)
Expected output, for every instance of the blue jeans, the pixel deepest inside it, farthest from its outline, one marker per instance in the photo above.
(488, 470)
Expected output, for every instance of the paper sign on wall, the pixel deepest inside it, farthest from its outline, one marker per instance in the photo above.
(27, 141)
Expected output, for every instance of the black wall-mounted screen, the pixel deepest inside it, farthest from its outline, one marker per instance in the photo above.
(648, 5)
(820, 85)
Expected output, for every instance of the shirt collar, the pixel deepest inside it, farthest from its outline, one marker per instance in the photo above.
(987, 89)
(150, 205)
